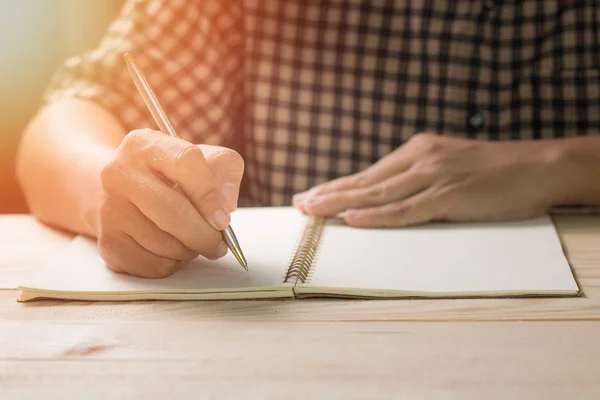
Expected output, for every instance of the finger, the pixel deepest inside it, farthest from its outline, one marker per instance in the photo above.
(359, 180)
(124, 255)
(128, 218)
(390, 190)
(183, 164)
(166, 207)
(390, 165)
(227, 167)
(418, 209)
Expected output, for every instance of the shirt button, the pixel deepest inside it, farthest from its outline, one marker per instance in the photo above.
(489, 4)
(476, 121)
(490, 7)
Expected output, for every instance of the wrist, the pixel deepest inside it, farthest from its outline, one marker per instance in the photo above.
(567, 167)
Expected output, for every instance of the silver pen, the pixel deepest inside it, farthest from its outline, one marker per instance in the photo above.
(165, 126)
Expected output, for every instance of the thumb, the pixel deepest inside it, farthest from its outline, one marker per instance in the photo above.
(227, 167)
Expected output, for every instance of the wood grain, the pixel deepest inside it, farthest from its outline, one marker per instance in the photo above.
(300, 360)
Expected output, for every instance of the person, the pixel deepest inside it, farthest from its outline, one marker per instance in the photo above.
(389, 113)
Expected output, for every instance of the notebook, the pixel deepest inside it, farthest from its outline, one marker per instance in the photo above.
(294, 256)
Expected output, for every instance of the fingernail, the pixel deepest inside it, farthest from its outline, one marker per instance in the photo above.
(221, 219)
(311, 203)
(230, 192)
(298, 199)
(352, 214)
(221, 250)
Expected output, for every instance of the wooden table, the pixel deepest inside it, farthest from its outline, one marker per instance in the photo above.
(492, 348)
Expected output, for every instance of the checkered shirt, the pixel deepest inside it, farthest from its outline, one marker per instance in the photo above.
(310, 90)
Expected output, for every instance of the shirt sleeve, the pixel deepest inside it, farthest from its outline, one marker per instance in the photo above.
(191, 53)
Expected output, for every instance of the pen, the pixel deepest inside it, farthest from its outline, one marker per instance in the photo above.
(165, 126)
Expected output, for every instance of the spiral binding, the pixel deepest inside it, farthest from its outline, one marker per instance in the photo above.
(302, 261)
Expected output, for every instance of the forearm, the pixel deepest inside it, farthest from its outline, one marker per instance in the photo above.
(62, 152)
(575, 168)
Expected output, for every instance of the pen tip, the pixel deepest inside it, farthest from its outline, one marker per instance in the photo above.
(234, 246)
(242, 260)
(237, 253)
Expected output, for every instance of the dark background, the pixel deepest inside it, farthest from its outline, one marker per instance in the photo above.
(35, 37)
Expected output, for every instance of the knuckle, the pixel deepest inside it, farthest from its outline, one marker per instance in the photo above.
(136, 142)
(360, 180)
(109, 173)
(427, 168)
(431, 164)
(165, 267)
(134, 139)
(189, 155)
(226, 164)
(378, 193)
(401, 209)
(231, 158)
(425, 142)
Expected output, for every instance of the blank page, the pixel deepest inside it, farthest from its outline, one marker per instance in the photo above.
(268, 240)
(519, 257)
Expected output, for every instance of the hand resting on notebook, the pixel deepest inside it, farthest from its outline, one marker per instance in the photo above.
(146, 224)
(434, 177)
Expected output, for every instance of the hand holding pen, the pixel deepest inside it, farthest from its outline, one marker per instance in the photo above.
(167, 201)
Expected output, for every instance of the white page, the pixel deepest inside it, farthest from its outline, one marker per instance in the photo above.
(508, 257)
(267, 237)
